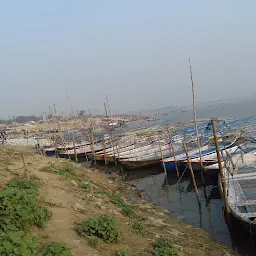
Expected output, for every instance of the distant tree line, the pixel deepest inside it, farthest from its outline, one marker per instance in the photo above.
(20, 119)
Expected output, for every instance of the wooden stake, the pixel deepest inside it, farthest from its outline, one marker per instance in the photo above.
(222, 176)
(104, 148)
(93, 149)
(191, 171)
(173, 153)
(55, 145)
(74, 145)
(161, 152)
(195, 120)
(24, 166)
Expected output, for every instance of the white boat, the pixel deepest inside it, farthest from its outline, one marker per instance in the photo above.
(240, 177)
(211, 158)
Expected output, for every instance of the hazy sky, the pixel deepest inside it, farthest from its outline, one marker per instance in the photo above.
(136, 51)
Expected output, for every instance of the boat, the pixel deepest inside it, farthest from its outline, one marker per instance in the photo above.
(240, 177)
(241, 149)
(206, 149)
(211, 158)
(150, 158)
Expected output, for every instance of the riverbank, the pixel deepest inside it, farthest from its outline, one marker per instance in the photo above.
(73, 193)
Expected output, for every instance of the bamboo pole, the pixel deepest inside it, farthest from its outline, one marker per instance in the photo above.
(25, 166)
(104, 148)
(195, 120)
(173, 153)
(62, 140)
(162, 157)
(191, 171)
(222, 176)
(111, 139)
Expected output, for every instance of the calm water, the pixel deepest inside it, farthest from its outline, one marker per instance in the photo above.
(181, 200)
(182, 203)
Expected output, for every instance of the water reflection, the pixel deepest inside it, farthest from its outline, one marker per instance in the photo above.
(180, 199)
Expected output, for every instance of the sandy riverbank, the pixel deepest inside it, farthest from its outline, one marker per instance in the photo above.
(71, 204)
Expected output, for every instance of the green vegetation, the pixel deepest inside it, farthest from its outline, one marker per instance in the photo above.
(94, 241)
(85, 185)
(124, 252)
(20, 206)
(164, 247)
(55, 249)
(103, 227)
(66, 168)
(126, 210)
(20, 209)
(17, 243)
(51, 168)
(20, 183)
(140, 229)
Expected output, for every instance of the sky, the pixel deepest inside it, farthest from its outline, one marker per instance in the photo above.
(134, 51)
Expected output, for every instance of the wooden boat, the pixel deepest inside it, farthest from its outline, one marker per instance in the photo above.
(244, 148)
(240, 176)
(211, 158)
(146, 160)
(82, 152)
(207, 149)
(49, 151)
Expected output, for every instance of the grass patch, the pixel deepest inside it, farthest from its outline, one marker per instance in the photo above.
(164, 247)
(126, 210)
(124, 252)
(55, 249)
(32, 185)
(51, 168)
(66, 168)
(102, 193)
(85, 185)
(140, 229)
(103, 227)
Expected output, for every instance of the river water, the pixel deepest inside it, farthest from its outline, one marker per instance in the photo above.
(180, 198)
(181, 201)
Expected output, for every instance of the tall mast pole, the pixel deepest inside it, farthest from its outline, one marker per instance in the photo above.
(195, 120)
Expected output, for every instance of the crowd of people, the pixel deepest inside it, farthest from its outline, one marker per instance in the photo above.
(3, 137)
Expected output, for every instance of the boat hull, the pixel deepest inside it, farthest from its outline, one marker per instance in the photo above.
(139, 164)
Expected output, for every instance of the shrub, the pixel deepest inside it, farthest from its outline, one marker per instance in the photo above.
(103, 227)
(20, 209)
(17, 243)
(124, 252)
(94, 241)
(55, 249)
(140, 229)
(32, 185)
(163, 247)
